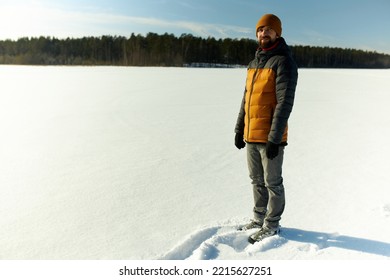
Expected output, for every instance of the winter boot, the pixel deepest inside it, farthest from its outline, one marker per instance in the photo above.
(251, 225)
(263, 233)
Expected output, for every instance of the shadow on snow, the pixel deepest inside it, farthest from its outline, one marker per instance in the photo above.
(326, 240)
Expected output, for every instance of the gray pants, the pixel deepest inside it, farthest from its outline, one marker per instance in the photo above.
(267, 181)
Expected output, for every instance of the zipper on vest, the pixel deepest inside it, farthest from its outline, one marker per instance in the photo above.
(249, 101)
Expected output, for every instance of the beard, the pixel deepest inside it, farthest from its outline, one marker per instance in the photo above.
(266, 42)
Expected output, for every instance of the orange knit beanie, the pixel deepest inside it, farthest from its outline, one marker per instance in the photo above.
(272, 21)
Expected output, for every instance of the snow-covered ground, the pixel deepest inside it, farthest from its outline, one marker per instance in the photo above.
(139, 163)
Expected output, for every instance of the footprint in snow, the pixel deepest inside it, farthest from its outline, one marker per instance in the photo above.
(208, 243)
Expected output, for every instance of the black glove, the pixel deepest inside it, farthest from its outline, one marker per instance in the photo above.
(271, 150)
(239, 141)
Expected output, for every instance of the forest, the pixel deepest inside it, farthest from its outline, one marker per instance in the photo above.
(170, 50)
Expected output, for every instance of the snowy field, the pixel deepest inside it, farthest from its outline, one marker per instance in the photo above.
(140, 164)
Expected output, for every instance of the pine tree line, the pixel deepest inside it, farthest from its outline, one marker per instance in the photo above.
(169, 50)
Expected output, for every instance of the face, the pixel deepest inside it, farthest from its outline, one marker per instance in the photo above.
(266, 36)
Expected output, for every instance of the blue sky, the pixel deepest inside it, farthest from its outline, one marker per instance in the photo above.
(361, 24)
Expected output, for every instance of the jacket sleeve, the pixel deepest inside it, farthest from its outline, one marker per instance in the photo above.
(241, 116)
(286, 82)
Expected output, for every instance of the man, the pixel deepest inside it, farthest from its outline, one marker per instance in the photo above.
(262, 123)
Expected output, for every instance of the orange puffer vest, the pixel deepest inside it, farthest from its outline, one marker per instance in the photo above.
(260, 104)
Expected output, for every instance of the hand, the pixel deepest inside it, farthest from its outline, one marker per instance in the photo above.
(239, 141)
(271, 150)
